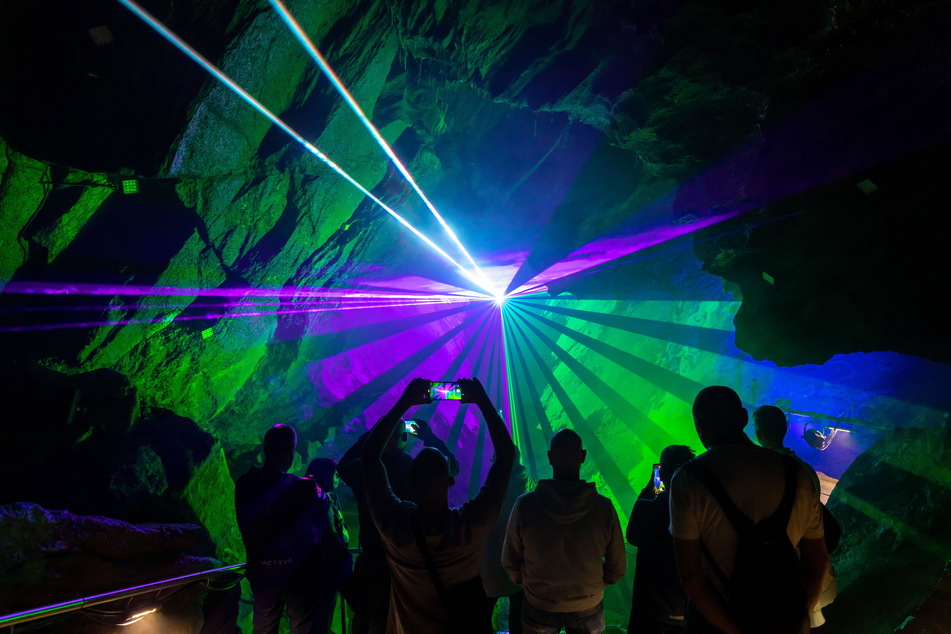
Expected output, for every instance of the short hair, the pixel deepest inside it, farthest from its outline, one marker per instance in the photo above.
(566, 440)
(428, 467)
(279, 439)
(672, 458)
(719, 411)
(322, 470)
(770, 422)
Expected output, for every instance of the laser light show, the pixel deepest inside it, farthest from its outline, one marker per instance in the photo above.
(235, 214)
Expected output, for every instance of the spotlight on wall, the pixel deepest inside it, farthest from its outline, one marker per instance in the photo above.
(819, 436)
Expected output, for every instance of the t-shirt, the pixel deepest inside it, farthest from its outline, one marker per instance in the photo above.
(754, 478)
(456, 546)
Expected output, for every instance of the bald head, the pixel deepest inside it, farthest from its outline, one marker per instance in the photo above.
(278, 447)
(566, 454)
(771, 425)
(718, 414)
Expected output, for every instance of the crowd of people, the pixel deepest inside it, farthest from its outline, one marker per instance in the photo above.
(732, 541)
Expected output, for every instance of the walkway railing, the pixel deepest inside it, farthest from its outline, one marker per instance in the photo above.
(9, 620)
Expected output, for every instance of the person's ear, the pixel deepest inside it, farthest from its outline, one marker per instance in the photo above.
(452, 482)
(746, 417)
(549, 459)
(584, 454)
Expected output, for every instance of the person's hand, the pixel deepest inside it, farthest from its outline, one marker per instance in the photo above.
(473, 392)
(422, 428)
(416, 393)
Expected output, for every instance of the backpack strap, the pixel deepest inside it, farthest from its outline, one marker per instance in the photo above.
(784, 510)
(743, 525)
(428, 558)
(740, 522)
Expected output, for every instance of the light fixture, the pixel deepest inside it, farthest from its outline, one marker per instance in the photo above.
(136, 617)
(819, 436)
(129, 186)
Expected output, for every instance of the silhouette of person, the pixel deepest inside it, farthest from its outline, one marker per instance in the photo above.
(754, 478)
(658, 604)
(282, 519)
(335, 563)
(434, 551)
(368, 588)
(495, 579)
(563, 545)
(770, 426)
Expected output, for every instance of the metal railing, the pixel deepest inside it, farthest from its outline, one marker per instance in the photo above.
(47, 611)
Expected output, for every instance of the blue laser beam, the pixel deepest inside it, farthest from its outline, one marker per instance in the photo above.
(313, 149)
(329, 72)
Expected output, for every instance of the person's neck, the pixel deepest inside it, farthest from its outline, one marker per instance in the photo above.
(273, 467)
(566, 476)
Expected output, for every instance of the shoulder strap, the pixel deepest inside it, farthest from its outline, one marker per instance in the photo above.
(784, 510)
(705, 475)
(741, 524)
(428, 558)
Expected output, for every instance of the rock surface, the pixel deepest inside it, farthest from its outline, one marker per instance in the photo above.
(813, 131)
(55, 556)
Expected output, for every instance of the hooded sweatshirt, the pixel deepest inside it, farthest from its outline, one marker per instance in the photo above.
(563, 545)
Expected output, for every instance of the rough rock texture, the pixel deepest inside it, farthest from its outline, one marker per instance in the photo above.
(53, 556)
(814, 131)
(95, 449)
(894, 505)
(933, 615)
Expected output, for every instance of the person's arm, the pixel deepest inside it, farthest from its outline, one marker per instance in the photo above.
(349, 465)
(698, 589)
(498, 477)
(813, 556)
(429, 438)
(375, 482)
(814, 559)
(637, 529)
(615, 559)
(512, 546)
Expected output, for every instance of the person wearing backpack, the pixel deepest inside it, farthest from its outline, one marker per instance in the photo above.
(738, 514)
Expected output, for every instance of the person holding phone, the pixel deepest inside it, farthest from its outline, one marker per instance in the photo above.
(434, 551)
(658, 604)
(368, 589)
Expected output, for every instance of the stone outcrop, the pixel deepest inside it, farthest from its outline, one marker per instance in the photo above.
(821, 125)
(894, 505)
(54, 556)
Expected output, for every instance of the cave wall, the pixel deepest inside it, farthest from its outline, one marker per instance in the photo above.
(761, 183)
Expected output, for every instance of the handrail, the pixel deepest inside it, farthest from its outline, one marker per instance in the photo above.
(85, 602)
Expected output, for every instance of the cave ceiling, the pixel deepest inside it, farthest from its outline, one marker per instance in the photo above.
(788, 155)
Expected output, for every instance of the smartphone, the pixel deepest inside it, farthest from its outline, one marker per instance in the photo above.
(445, 391)
(658, 484)
(408, 427)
